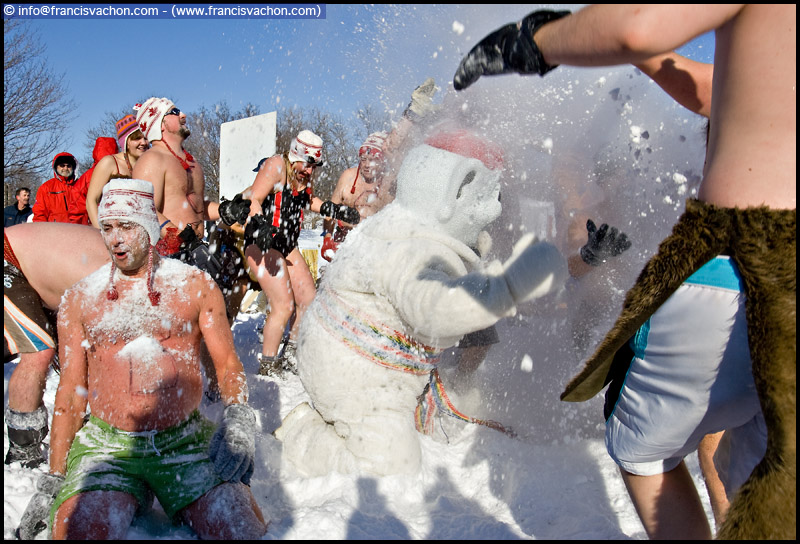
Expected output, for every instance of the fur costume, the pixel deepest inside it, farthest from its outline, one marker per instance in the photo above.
(763, 244)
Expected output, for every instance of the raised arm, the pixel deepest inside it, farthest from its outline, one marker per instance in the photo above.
(685, 80)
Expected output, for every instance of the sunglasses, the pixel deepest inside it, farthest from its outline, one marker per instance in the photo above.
(173, 111)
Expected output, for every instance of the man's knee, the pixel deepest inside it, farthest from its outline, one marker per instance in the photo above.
(229, 511)
(94, 515)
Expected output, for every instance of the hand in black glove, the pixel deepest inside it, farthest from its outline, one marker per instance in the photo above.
(189, 238)
(259, 232)
(603, 243)
(234, 211)
(37, 515)
(233, 447)
(340, 212)
(507, 49)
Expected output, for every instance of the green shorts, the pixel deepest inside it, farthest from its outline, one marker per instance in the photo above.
(172, 463)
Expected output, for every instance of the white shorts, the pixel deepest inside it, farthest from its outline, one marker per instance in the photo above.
(690, 376)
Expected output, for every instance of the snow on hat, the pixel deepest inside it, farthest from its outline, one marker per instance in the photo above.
(468, 144)
(125, 127)
(130, 200)
(373, 144)
(306, 147)
(150, 114)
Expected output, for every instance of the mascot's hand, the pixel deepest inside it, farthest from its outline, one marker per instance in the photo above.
(506, 50)
(603, 243)
(259, 232)
(234, 211)
(233, 447)
(421, 100)
(340, 212)
(329, 248)
(534, 269)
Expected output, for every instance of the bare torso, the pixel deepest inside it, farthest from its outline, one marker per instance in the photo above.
(178, 192)
(54, 256)
(143, 360)
(751, 157)
(367, 196)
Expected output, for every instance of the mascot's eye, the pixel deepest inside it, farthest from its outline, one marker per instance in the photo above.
(467, 180)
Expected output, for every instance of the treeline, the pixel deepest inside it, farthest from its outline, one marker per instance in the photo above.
(37, 109)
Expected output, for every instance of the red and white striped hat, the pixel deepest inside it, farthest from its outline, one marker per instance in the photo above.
(306, 147)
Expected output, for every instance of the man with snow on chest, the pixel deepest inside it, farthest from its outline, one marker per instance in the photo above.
(395, 298)
(130, 339)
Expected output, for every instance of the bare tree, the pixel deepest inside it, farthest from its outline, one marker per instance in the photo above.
(36, 108)
(203, 144)
(340, 144)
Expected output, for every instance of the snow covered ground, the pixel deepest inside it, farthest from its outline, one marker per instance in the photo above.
(482, 485)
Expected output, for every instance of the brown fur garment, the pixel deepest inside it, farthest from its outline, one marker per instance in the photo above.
(763, 244)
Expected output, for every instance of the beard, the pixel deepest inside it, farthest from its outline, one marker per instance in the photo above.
(184, 132)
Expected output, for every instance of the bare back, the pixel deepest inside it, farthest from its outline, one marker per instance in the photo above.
(55, 256)
(751, 157)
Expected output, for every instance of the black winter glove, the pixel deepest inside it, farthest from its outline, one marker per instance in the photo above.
(201, 255)
(234, 211)
(603, 243)
(233, 447)
(259, 232)
(37, 515)
(340, 212)
(508, 49)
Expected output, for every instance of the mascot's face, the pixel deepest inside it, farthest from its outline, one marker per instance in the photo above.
(460, 194)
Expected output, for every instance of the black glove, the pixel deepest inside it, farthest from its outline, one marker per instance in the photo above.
(507, 49)
(340, 212)
(234, 211)
(259, 232)
(603, 243)
(37, 514)
(233, 447)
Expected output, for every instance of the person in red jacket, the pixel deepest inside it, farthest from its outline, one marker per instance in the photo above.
(60, 198)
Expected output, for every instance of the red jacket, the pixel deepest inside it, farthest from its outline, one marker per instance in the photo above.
(61, 200)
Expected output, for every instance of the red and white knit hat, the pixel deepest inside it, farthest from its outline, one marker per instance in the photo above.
(306, 147)
(373, 145)
(150, 114)
(130, 200)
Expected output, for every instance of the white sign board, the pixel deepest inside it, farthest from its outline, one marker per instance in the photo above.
(242, 144)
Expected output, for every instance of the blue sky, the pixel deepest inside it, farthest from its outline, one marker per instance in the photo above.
(359, 54)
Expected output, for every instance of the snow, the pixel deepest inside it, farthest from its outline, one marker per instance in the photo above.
(482, 485)
(555, 479)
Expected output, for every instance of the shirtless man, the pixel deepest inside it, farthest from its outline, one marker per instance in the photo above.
(360, 187)
(41, 260)
(132, 144)
(746, 208)
(130, 344)
(179, 188)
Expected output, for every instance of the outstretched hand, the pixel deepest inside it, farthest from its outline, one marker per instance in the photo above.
(603, 243)
(234, 211)
(421, 100)
(508, 49)
(340, 212)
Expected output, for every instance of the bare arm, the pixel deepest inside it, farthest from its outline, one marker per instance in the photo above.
(72, 393)
(271, 174)
(611, 34)
(100, 176)
(149, 168)
(218, 338)
(685, 80)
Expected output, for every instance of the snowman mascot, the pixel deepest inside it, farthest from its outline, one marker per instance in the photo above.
(404, 287)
